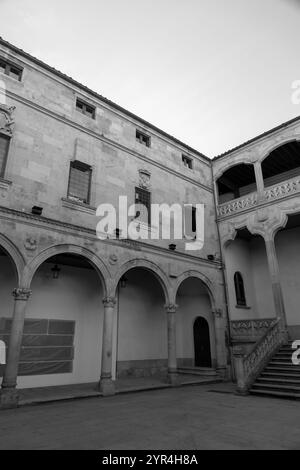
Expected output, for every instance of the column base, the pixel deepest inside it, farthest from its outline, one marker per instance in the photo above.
(9, 398)
(107, 387)
(242, 392)
(173, 378)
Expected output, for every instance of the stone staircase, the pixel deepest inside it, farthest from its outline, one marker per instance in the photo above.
(280, 378)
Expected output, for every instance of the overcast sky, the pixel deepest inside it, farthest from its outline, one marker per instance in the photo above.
(213, 73)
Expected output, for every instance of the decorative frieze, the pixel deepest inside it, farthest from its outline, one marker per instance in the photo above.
(238, 205)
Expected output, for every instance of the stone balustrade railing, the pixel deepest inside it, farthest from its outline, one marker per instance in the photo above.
(283, 189)
(272, 193)
(244, 329)
(237, 205)
(248, 367)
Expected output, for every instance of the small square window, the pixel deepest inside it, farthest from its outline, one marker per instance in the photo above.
(10, 69)
(143, 138)
(85, 108)
(187, 161)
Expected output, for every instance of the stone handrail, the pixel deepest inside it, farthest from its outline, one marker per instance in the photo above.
(250, 328)
(247, 367)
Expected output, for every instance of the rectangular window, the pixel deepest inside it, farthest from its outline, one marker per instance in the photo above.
(80, 182)
(142, 196)
(143, 138)
(187, 161)
(4, 144)
(85, 108)
(10, 69)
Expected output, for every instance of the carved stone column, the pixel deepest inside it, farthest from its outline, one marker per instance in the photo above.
(275, 281)
(106, 382)
(172, 358)
(9, 395)
(259, 181)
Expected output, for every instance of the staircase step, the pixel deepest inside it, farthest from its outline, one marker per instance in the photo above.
(278, 381)
(283, 375)
(276, 387)
(290, 370)
(281, 363)
(203, 371)
(271, 393)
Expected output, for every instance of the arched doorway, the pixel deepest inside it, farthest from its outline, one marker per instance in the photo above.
(62, 340)
(141, 336)
(202, 343)
(195, 331)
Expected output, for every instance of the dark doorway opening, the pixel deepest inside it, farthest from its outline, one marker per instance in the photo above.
(202, 343)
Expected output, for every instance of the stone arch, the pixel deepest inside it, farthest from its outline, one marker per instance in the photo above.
(150, 266)
(276, 145)
(97, 263)
(15, 255)
(243, 160)
(204, 279)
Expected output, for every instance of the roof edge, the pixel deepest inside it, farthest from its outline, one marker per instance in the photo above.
(98, 96)
(254, 139)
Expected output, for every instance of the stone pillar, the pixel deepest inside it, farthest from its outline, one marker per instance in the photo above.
(275, 280)
(9, 394)
(106, 382)
(259, 181)
(238, 358)
(172, 358)
(221, 350)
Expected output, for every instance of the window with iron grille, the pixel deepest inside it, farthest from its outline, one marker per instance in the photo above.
(143, 138)
(10, 69)
(85, 108)
(187, 161)
(4, 144)
(80, 182)
(142, 196)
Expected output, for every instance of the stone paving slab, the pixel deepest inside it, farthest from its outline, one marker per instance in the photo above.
(33, 396)
(173, 418)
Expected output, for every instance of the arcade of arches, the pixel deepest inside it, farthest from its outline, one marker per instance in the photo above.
(74, 332)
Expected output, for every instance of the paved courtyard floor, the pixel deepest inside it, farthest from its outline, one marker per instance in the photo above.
(195, 417)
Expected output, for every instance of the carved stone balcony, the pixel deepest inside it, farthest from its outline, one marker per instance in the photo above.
(238, 205)
(273, 193)
(286, 188)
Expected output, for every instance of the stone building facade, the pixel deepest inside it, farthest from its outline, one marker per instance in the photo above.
(86, 309)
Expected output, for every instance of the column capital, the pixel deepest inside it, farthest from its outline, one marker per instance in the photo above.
(21, 293)
(171, 308)
(109, 301)
(217, 313)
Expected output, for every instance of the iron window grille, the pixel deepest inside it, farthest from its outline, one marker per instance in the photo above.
(80, 177)
(142, 196)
